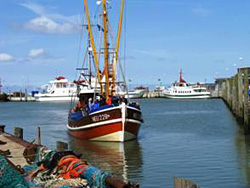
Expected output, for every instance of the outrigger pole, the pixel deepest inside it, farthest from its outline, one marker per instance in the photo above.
(117, 45)
(106, 53)
(92, 44)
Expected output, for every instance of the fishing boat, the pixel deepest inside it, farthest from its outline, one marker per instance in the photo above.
(182, 90)
(59, 89)
(104, 115)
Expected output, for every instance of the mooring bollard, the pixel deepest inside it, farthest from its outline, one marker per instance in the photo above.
(18, 132)
(61, 146)
(2, 127)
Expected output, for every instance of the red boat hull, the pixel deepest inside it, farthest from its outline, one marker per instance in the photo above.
(120, 123)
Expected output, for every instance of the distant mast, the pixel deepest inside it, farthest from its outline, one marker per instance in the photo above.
(1, 86)
(181, 80)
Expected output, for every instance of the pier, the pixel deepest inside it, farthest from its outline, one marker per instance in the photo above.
(21, 97)
(235, 92)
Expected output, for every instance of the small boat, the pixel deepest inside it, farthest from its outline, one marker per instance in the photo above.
(59, 89)
(182, 90)
(3, 97)
(138, 92)
(104, 115)
(159, 89)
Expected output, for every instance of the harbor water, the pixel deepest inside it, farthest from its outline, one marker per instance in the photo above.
(199, 140)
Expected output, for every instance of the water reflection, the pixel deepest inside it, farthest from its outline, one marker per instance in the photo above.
(242, 143)
(123, 160)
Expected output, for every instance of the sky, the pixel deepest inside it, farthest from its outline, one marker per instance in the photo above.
(42, 39)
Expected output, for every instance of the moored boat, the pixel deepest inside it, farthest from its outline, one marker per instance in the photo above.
(138, 92)
(59, 89)
(182, 90)
(3, 97)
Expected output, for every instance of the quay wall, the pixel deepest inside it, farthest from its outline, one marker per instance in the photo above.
(153, 94)
(235, 92)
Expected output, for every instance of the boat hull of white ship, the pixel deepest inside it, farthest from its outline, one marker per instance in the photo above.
(117, 124)
(54, 98)
(198, 96)
(135, 94)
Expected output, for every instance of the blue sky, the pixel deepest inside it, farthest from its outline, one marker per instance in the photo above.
(39, 39)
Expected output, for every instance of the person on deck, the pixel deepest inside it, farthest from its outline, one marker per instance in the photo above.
(89, 104)
(123, 99)
(115, 100)
(109, 100)
(102, 101)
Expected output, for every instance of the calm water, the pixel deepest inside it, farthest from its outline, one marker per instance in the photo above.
(195, 139)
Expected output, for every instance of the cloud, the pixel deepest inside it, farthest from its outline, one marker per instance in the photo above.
(34, 7)
(45, 25)
(6, 57)
(201, 11)
(50, 23)
(36, 52)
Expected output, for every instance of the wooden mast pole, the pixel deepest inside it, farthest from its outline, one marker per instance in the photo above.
(117, 45)
(106, 48)
(92, 43)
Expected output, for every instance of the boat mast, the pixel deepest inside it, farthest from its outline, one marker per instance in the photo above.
(117, 45)
(1, 85)
(106, 53)
(180, 77)
(92, 43)
(90, 55)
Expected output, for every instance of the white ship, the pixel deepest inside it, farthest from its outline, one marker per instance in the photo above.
(138, 92)
(59, 89)
(182, 90)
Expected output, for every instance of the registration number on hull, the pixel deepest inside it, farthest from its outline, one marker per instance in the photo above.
(101, 117)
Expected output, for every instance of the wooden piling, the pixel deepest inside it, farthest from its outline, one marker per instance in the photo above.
(61, 146)
(235, 92)
(182, 183)
(38, 135)
(240, 95)
(246, 106)
(2, 128)
(18, 132)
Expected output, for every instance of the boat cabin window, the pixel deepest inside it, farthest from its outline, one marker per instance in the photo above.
(199, 90)
(59, 85)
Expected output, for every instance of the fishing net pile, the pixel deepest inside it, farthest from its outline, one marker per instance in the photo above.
(53, 169)
(9, 176)
(63, 169)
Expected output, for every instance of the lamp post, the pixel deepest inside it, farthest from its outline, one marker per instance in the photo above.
(129, 81)
(159, 80)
